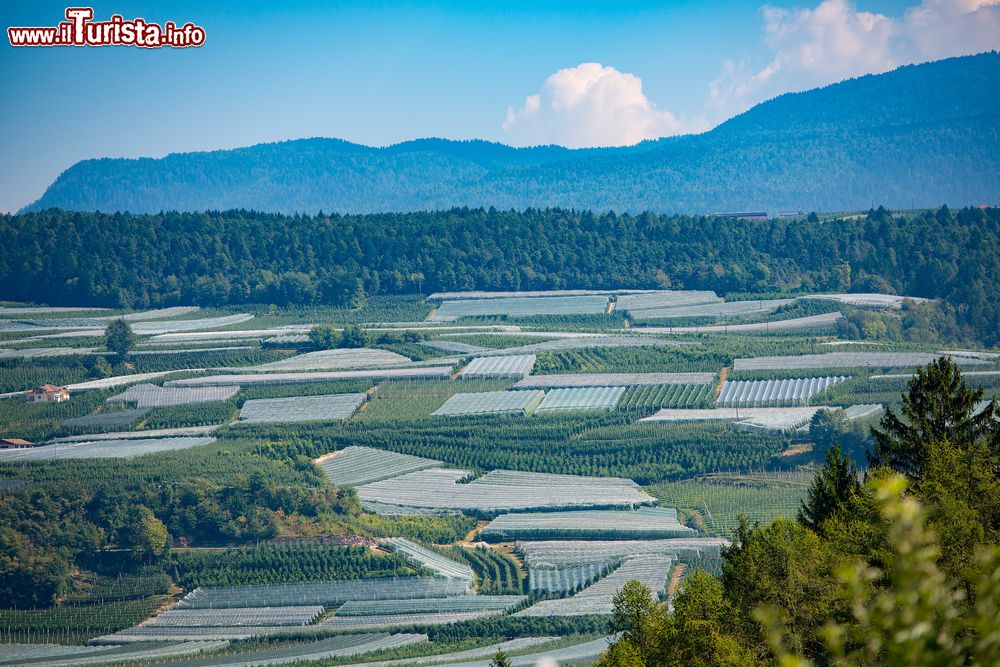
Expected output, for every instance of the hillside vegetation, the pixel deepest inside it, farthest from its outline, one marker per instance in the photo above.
(240, 257)
(918, 136)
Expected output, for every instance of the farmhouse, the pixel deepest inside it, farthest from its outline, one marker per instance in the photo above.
(47, 393)
(15, 443)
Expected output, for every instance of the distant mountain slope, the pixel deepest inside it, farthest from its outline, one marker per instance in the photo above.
(920, 135)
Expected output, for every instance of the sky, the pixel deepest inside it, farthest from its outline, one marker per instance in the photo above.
(522, 73)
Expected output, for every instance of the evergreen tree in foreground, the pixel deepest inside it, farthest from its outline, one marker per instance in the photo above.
(939, 407)
(500, 659)
(832, 487)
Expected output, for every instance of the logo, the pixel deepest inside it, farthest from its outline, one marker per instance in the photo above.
(79, 29)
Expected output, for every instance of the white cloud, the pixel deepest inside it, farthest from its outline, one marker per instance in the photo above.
(834, 40)
(589, 105)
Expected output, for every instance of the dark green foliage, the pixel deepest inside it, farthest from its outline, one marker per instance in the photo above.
(428, 529)
(324, 337)
(876, 137)
(830, 428)
(508, 627)
(500, 659)
(97, 588)
(257, 258)
(74, 624)
(306, 389)
(30, 575)
(939, 407)
(496, 574)
(195, 414)
(651, 398)
(831, 490)
(353, 336)
(270, 563)
(629, 360)
(119, 338)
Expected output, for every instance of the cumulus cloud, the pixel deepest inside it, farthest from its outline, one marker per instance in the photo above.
(589, 105)
(834, 40)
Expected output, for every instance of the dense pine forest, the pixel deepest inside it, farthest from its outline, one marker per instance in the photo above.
(239, 257)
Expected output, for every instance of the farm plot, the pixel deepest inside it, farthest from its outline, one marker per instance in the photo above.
(664, 299)
(666, 396)
(21, 311)
(848, 360)
(566, 579)
(573, 553)
(646, 522)
(341, 646)
(286, 339)
(491, 402)
(598, 598)
(580, 398)
(411, 373)
(821, 321)
(485, 653)
(354, 466)
(326, 593)
(456, 346)
(456, 604)
(235, 617)
(612, 380)
(450, 311)
(111, 418)
(160, 313)
(384, 621)
(514, 366)
(590, 341)
(117, 654)
(146, 434)
(773, 393)
(102, 449)
(715, 502)
(174, 326)
(152, 396)
(16, 653)
(44, 352)
(476, 295)
(142, 634)
(334, 360)
(863, 411)
(120, 380)
(441, 566)
(302, 408)
(714, 310)
(781, 420)
(584, 653)
(228, 336)
(503, 491)
(866, 300)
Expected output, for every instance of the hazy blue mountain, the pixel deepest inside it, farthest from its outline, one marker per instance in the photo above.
(921, 135)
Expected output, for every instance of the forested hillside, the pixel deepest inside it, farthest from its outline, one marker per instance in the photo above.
(918, 136)
(238, 257)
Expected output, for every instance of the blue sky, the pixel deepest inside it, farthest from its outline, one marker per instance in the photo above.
(379, 73)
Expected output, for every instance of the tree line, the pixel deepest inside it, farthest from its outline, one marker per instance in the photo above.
(244, 257)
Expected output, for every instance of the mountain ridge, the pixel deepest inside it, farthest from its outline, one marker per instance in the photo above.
(920, 135)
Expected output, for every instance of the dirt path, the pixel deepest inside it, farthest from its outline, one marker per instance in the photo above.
(675, 580)
(723, 374)
(467, 541)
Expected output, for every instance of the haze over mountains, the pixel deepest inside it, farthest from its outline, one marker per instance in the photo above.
(921, 135)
